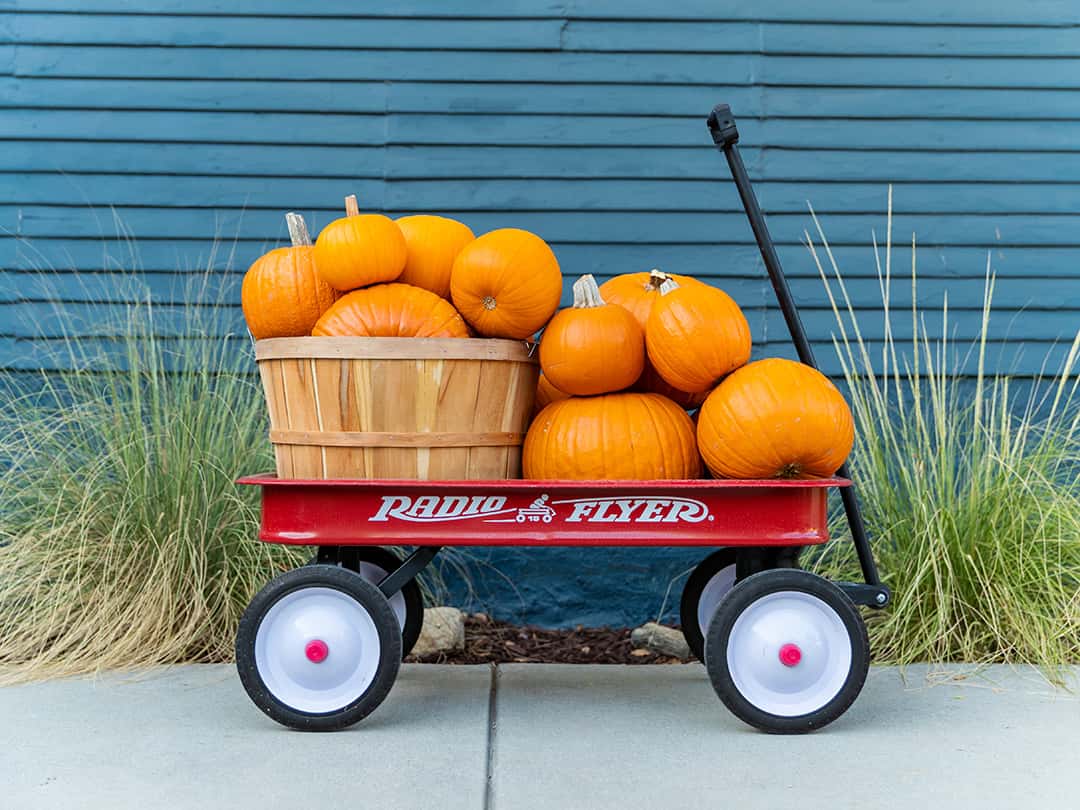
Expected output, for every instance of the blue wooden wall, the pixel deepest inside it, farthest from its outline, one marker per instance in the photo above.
(182, 122)
(178, 122)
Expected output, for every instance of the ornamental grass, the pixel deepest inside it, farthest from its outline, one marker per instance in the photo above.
(970, 486)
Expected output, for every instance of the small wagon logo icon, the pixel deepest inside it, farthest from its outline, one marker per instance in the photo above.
(536, 512)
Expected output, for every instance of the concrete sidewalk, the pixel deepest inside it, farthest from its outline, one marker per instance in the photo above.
(532, 736)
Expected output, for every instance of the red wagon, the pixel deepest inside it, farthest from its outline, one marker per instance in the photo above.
(787, 651)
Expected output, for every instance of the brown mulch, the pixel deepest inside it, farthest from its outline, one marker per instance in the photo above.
(488, 641)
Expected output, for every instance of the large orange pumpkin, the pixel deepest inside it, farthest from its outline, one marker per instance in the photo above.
(360, 249)
(592, 347)
(506, 283)
(391, 310)
(775, 418)
(696, 335)
(611, 437)
(282, 295)
(432, 244)
(636, 293)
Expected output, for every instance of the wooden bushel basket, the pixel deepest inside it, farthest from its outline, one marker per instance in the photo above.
(418, 408)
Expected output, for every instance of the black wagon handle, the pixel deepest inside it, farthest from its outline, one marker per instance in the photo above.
(725, 135)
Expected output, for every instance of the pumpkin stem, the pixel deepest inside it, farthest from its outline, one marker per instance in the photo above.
(657, 278)
(586, 293)
(298, 232)
(352, 207)
(667, 285)
(489, 302)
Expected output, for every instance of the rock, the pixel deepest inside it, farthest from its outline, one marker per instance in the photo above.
(443, 631)
(661, 640)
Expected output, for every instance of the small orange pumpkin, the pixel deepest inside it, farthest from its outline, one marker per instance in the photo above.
(359, 249)
(590, 438)
(506, 283)
(432, 244)
(652, 383)
(695, 336)
(592, 347)
(775, 418)
(636, 292)
(391, 310)
(546, 393)
(282, 294)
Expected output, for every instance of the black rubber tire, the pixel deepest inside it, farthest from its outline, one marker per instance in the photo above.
(352, 556)
(691, 595)
(739, 599)
(370, 599)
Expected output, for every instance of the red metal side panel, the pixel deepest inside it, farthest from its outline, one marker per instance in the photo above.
(544, 513)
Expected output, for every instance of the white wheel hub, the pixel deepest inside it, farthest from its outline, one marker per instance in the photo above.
(317, 650)
(376, 574)
(789, 653)
(715, 590)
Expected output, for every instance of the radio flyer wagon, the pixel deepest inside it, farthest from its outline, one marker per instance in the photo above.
(319, 647)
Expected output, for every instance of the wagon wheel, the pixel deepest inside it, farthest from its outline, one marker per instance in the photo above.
(373, 563)
(707, 585)
(787, 651)
(318, 648)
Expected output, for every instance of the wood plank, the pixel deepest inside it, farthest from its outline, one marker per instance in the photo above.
(1032, 13)
(556, 67)
(626, 228)
(439, 349)
(423, 439)
(344, 96)
(508, 195)
(283, 32)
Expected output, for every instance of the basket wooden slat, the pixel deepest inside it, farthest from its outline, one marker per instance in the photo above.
(425, 409)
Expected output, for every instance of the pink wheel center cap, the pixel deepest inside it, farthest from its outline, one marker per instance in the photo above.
(790, 655)
(316, 651)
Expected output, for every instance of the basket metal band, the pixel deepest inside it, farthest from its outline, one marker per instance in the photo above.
(318, 438)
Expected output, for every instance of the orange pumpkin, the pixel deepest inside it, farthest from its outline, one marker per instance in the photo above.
(506, 283)
(546, 393)
(282, 295)
(360, 249)
(391, 310)
(636, 293)
(695, 336)
(652, 383)
(432, 243)
(590, 438)
(592, 347)
(775, 418)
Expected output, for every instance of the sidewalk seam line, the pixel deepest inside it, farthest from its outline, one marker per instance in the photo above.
(489, 769)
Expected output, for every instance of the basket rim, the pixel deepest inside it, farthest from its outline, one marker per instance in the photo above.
(395, 348)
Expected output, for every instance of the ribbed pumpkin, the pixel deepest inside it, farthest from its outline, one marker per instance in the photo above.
(432, 243)
(696, 335)
(650, 382)
(282, 295)
(592, 347)
(611, 437)
(546, 393)
(359, 249)
(775, 418)
(506, 283)
(391, 310)
(636, 293)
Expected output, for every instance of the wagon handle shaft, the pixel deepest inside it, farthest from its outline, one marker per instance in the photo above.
(725, 135)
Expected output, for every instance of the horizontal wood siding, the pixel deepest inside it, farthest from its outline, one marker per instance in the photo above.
(145, 143)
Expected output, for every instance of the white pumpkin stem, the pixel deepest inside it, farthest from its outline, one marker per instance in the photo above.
(298, 231)
(657, 277)
(586, 293)
(352, 207)
(667, 285)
